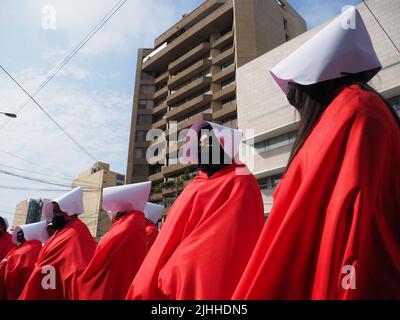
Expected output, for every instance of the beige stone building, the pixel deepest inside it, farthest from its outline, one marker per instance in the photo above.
(93, 181)
(29, 211)
(263, 107)
(190, 75)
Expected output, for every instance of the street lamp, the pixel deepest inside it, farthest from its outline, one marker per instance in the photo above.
(11, 115)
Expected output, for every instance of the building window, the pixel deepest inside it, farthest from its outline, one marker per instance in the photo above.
(155, 169)
(228, 82)
(140, 153)
(206, 90)
(226, 47)
(227, 64)
(144, 119)
(231, 123)
(275, 142)
(269, 183)
(34, 211)
(141, 136)
(120, 179)
(145, 104)
(190, 115)
(158, 118)
(161, 86)
(395, 103)
(159, 101)
(146, 76)
(205, 73)
(140, 170)
(231, 101)
(147, 89)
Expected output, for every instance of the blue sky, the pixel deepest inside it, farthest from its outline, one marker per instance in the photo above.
(91, 97)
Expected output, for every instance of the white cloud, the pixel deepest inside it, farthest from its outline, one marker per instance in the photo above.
(91, 97)
(98, 120)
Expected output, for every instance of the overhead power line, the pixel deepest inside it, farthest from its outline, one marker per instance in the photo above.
(51, 176)
(380, 25)
(49, 116)
(81, 44)
(45, 181)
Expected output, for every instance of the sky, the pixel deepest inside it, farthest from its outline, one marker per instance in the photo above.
(91, 96)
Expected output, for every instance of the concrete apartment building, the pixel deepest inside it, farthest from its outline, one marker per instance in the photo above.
(263, 107)
(29, 211)
(93, 181)
(190, 75)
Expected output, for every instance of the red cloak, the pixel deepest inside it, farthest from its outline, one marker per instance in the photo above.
(3, 264)
(151, 233)
(117, 258)
(18, 267)
(206, 240)
(6, 245)
(333, 231)
(68, 251)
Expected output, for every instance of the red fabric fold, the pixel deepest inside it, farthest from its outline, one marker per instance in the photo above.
(6, 245)
(117, 258)
(68, 251)
(151, 233)
(336, 212)
(206, 240)
(17, 268)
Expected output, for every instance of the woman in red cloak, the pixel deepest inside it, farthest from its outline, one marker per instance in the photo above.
(334, 228)
(210, 230)
(17, 267)
(6, 243)
(65, 255)
(121, 251)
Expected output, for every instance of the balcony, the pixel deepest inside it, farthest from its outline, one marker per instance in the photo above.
(167, 191)
(224, 56)
(189, 106)
(224, 74)
(161, 78)
(188, 123)
(225, 112)
(194, 69)
(223, 40)
(191, 19)
(226, 92)
(143, 127)
(142, 161)
(142, 144)
(156, 196)
(190, 56)
(161, 124)
(217, 20)
(158, 159)
(163, 92)
(174, 169)
(189, 89)
(146, 96)
(145, 112)
(173, 149)
(156, 177)
(160, 108)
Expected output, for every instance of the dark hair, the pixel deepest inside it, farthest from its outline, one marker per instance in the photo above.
(312, 100)
(2, 222)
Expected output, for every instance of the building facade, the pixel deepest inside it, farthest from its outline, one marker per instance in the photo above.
(93, 181)
(190, 75)
(29, 211)
(263, 107)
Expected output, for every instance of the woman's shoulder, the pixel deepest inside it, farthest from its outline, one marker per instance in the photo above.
(357, 101)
